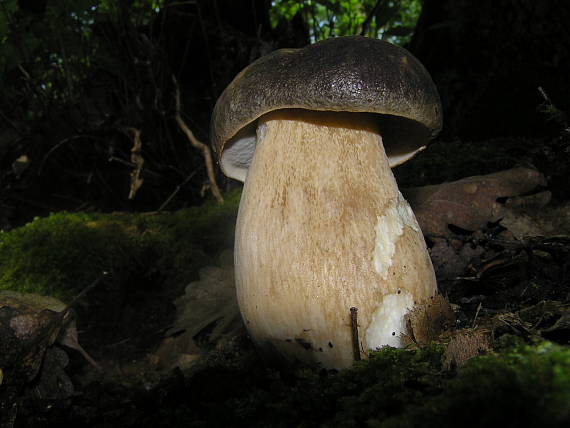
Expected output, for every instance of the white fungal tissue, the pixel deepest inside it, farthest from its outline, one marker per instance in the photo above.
(388, 228)
(388, 321)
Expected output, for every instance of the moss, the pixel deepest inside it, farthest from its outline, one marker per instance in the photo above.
(518, 385)
(522, 385)
(61, 254)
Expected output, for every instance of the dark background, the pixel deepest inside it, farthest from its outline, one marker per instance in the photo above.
(124, 68)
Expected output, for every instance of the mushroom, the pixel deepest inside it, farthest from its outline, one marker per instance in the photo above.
(322, 227)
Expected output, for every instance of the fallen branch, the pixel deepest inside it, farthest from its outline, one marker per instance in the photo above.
(138, 161)
(200, 146)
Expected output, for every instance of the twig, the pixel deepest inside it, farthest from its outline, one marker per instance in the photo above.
(553, 112)
(544, 95)
(476, 314)
(10, 122)
(91, 286)
(138, 161)
(200, 146)
(61, 143)
(68, 337)
(67, 71)
(121, 161)
(173, 194)
(354, 327)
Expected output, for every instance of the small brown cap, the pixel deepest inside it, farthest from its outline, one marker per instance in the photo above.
(352, 74)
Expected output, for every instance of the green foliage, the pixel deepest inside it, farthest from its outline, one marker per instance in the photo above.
(143, 10)
(76, 76)
(61, 254)
(52, 52)
(393, 21)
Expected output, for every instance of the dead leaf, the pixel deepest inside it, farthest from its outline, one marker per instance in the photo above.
(469, 203)
(428, 320)
(466, 344)
(20, 165)
(205, 315)
(510, 323)
(560, 331)
(53, 382)
(551, 319)
(29, 325)
(68, 337)
(525, 221)
(450, 261)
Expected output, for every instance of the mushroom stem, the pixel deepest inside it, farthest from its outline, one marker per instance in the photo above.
(322, 228)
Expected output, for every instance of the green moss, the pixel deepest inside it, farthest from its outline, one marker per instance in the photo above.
(519, 385)
(522, 385)
(61, 254)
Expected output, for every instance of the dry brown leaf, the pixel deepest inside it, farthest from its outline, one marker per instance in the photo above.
(550, 318)
(428, 320)
(29, 325)
(451, 257)
(469, 203)
(466, 344)
(207, 312)
(525, 221)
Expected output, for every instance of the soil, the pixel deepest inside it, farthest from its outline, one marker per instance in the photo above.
(156, 369)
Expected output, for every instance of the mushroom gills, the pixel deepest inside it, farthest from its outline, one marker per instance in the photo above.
(322, 228)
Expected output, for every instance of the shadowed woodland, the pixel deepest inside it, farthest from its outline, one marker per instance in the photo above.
(83, 81)
(105, 166)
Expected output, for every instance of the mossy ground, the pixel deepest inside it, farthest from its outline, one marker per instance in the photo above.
(149, 258)
(152, 256)
(61, 254)
(518, 385)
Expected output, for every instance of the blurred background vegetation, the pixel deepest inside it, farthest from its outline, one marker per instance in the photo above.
(393, 21)
(77, 77)
(84, 81)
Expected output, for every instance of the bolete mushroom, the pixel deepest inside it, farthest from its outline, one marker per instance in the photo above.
(322, 227)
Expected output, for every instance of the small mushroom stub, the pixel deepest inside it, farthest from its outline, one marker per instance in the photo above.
(322, 226)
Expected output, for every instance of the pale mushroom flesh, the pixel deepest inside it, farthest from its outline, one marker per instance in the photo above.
(322, 228)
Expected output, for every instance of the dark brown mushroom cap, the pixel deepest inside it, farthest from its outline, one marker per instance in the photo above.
(352, 74)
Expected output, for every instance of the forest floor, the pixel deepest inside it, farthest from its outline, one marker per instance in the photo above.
(169, 349)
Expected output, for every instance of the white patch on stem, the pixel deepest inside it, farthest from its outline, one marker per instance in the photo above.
(388, 321)
(388, 228)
